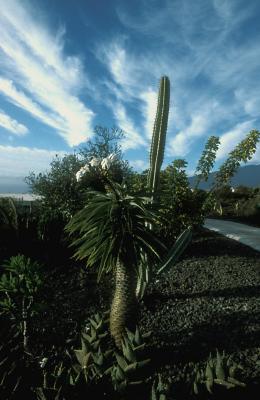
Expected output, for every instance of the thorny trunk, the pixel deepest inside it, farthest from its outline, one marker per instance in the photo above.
(123, 308)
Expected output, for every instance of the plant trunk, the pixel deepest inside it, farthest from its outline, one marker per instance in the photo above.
(123, 308)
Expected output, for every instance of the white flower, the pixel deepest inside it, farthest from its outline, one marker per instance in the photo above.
(43, 362)
(106, 162)
(82, 172)
(94, 162)
(112, 157)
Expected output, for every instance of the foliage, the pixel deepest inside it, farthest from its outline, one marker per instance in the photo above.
(94, 357)
(180, 206)
(243, 152)
(106, 141)
(58, 188)
(128, 370)
(113, 235)
(146, 275)
(8, 227)
(97, 364)
(207, 159)
(8, 214)
(112, 226)
(61, 196)
(17, 371)
(19, 287)
(137, 183)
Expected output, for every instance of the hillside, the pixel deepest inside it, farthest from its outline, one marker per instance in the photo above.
(246, 176)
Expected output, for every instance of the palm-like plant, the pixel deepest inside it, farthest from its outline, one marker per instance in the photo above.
(112, 235)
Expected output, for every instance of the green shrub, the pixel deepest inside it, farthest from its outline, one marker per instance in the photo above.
(20, 283)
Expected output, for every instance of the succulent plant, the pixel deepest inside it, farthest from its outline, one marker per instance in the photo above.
(219, 370)
(93, 360)
(128, 370)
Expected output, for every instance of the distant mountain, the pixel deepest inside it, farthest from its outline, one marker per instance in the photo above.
(13, 185)
(245, 176)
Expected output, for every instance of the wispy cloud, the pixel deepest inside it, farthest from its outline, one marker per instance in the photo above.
(213, 67)
(133, 139)
(12, 125)
(131, 84)
(149, 107)
(46, 80)
(231, 138)
(28, 160)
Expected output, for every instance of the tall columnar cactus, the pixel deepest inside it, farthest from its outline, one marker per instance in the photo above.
(153, 180)
(159, 136)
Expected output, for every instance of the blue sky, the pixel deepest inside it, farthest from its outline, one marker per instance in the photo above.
(66, 66)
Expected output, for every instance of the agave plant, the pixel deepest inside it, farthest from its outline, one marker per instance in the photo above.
(112, 235)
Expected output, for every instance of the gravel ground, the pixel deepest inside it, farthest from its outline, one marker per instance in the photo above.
(209, 300)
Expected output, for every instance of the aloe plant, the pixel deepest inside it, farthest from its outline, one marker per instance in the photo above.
(129, 365)
(220, 370)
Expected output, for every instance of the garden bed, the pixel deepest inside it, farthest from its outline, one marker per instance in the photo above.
(210, 300)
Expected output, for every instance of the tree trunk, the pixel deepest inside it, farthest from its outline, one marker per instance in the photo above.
(123, 308)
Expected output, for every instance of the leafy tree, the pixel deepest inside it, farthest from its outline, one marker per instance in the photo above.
(106, 141)
(61, 195)
(207, 159)
(180, 206)
(243, 152)
(58, 188)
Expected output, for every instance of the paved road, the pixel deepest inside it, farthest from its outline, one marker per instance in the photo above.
(245, 234)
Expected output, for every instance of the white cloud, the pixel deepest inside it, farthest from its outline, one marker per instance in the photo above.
(149, 107)
(47, 81)
(18, 98)
(133, 139)
(139, 165)
(203, 59)
(12, 125)
(230, 139)
(27, 160)
(249, 100)
(181, 144)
